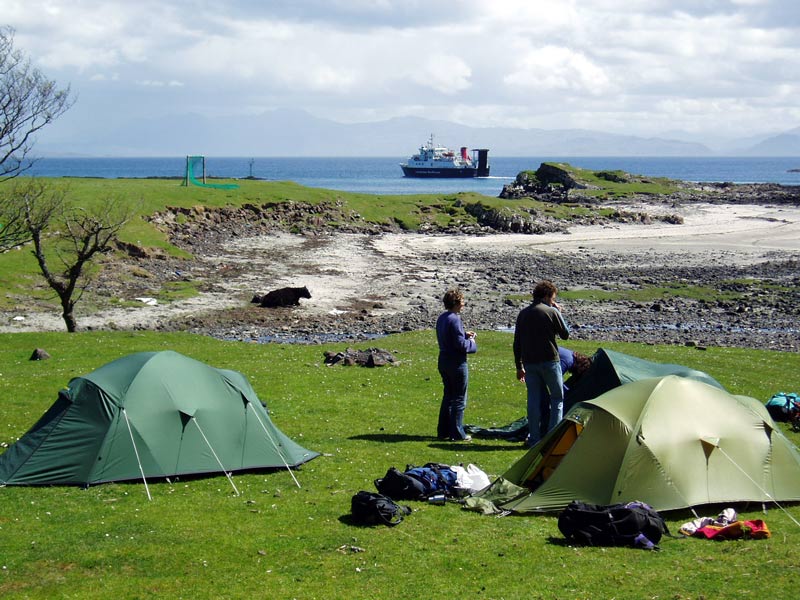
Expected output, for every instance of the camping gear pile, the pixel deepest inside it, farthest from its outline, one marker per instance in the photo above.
(431, 480)
(417, 483)
(435, 483)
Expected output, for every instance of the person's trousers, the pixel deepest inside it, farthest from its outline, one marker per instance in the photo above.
(455, 378)
(545, 384)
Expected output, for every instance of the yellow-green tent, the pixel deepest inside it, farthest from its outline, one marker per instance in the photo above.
(671, 442)
(150, 415)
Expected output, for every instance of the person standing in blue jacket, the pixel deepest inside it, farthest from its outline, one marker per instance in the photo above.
(454, 345)
(537, 359)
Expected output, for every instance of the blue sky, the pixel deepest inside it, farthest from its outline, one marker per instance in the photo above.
(643, 67)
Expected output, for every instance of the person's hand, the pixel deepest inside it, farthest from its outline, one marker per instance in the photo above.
(471, 335)
(521, 375)
(556, 305)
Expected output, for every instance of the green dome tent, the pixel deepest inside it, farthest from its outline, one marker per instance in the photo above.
(670, 442)
(149, 414)
(611, 369)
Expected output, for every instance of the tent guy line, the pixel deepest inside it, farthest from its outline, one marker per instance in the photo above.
(766, 493)
(136, 451)
(277, 449)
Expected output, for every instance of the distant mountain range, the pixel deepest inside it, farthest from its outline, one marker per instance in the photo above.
(285, 132)
(783, 144)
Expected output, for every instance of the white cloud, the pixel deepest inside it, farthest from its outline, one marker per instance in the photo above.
(638, 64)
(445, 73)
(532, 16)
(559, 69)
(268, 55)
(159, 84)
(104, 77)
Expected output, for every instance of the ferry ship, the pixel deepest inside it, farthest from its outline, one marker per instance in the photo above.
(438, 161)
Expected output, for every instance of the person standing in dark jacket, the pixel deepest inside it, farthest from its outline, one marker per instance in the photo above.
(454, 345)
(536, 357)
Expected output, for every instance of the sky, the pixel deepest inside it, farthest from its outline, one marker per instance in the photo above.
(722, 68)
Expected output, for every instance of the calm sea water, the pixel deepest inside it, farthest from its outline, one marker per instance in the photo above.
(382, 175)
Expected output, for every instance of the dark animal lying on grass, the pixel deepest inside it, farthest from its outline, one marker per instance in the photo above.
(288, 296)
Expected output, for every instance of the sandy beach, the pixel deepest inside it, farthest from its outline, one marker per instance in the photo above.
(365, 284)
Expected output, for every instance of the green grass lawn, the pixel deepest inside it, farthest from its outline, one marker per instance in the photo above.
(196, 539)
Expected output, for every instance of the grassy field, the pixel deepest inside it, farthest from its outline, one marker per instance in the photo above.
(196, 539)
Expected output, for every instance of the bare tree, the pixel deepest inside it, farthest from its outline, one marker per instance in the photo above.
(69, 236)
(13, 230)
(28, 102)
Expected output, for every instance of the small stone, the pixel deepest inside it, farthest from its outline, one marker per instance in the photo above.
(40, 354)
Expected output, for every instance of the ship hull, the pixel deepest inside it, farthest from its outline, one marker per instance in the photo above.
(433, 172)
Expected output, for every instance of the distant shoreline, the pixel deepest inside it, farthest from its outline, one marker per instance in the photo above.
(382, 175)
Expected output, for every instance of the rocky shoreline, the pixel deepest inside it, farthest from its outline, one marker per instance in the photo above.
(758, 318)
(737, 256)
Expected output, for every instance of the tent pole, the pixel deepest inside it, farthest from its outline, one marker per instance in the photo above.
(277, 449)
(136, 452)
(765, 492)
(228, 475)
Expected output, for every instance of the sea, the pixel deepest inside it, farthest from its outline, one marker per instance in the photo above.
(383, 176)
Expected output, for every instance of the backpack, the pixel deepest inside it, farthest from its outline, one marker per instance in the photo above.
(399, 486)
(369, 508)
(783, 406)
(633, 524)
(436, 478)
(417, 483)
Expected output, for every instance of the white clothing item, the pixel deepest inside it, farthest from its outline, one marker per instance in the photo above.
(470, 479)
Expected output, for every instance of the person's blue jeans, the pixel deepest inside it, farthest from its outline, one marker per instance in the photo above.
(455, 378)
(545, 382)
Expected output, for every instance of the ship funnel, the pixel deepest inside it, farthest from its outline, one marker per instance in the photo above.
(464, 153)
(483, 162)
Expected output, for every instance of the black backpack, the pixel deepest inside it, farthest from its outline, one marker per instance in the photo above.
(417, 483)
(633, 524)
(369, 508)
(401, 486)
